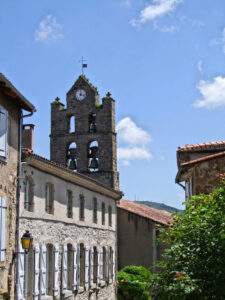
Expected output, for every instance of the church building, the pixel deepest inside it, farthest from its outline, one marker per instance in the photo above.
(69, 203)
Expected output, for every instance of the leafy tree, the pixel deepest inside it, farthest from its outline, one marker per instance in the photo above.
(134, 283)
(194, 264)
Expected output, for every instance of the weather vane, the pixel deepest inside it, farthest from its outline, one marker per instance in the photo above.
(83, 64)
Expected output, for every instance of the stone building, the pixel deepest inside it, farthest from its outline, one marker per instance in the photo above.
(12, 106)
(200, 167)
(83, 135)
(68, 203)
(73, 222)
(137, 233)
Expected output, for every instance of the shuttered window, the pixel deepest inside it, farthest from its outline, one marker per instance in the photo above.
(110, 215)
(103, 213)
(3, 208)
(95, 210)
(49, 198)
(3, 132)
(69, 204)
(82, 206)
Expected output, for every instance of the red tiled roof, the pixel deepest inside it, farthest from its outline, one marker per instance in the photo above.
(157, 215)
(203, 146)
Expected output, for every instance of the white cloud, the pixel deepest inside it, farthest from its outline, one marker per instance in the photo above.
(134, 142)
(48, 29)
(212, 92)
(130, 133)
(165, 28)
(200, 66)
(157, 9)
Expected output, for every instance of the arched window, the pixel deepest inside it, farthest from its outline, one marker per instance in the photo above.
(29, 194)
(92, 123)
(103, 213)
(93, 161)
(72, 124)
(50, 269)
(72, 156)
(82, 265)
(95, 264)
(69, 204)
(29, 270)
(49, 198)
(110, 215)
(70, 266)
(82, 207)
(104, 263)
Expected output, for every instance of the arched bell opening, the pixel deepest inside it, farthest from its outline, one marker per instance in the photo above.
(72, 156)
(72, 124)
(92, 123)
(93, 160)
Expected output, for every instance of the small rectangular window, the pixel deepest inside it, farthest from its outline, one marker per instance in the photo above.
(69, 204)
(49, 198)
(82, 206)
(3, 208)
(3, 132)
(103, 213)
(95, 210)
(110, 215)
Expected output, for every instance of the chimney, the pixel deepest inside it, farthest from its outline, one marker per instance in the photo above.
(27, 136)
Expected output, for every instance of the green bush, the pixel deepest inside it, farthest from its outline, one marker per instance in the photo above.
(134, 283)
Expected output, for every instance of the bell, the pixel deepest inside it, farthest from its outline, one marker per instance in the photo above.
(72, 164)
(93, 128)
(92, 151)
(93, 164)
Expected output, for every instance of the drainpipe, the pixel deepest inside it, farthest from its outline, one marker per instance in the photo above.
(17, 246)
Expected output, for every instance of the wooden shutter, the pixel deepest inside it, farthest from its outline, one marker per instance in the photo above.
(64, 269)
(86, 267)
(3, 209)
(43, 270)
(75, 268)
(91, 266)
(21, 275)
(56, 270)
(100, 265)
(113, 266)
(78, 266)
(3, 131)
(36, 291)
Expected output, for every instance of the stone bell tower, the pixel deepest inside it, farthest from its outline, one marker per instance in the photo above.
(83, 135)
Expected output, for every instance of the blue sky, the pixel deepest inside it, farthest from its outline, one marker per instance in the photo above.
(162, 60)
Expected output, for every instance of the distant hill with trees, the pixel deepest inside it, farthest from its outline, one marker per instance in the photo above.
(161, 206)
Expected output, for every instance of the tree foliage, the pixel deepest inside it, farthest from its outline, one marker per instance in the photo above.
(194, 263)
(134, 283)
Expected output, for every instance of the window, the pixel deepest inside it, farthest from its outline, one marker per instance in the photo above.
(82, 206)
(93, 161)
(110, 215)
(3, 132)
(188, 188)
(72, 124)
(72, 156)
(104, 258)
(49, 198)
(29, 194)
(69, 204)
(111, 258)
(92, 123)
(50, 269)
(95, 265)
(95, 210)
(3, 208)
(70, 266)
(82, 265)
(103, 213)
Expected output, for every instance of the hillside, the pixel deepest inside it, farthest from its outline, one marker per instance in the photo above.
(161, 206)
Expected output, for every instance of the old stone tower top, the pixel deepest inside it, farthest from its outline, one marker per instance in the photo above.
(83, 135)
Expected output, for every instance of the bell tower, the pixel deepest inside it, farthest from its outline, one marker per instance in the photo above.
(83, 136)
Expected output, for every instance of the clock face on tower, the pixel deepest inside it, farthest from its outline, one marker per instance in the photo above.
(80, 94)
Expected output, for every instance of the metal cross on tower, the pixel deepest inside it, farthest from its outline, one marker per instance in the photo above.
(83, 64)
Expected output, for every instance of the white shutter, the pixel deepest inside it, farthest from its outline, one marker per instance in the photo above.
(3, 131)
(78, 266)
(36, 271)
(86, 267)
(113, 265)
(21, 274)
(91, 266)
(64, 268)
(43, 270)
(75, 269)
(56, 270)
(3, 208)
(100, 265)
